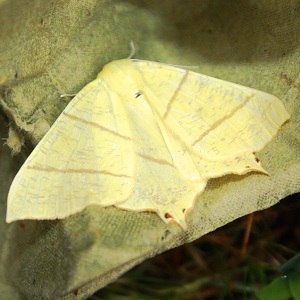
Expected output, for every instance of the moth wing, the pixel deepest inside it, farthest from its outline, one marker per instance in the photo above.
(218, 119)
(159, 185)
(80, 161)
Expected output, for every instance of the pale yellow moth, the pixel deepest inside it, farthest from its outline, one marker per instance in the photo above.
(144, 136)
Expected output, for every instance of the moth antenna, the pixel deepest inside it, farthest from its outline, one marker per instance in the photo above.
(132, 48)
(67, 95)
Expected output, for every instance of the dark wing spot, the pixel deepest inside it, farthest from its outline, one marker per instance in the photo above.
(168, 216)
(138, 94)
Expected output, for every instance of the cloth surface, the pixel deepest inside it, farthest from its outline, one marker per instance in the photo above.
(49, 48)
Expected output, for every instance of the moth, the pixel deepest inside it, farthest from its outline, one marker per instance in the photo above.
(144, 136)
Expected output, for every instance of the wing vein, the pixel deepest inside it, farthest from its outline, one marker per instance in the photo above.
(96, 125)
(177, 90)
(220, 121)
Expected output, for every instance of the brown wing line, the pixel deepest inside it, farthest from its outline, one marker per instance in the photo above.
(86, 171)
